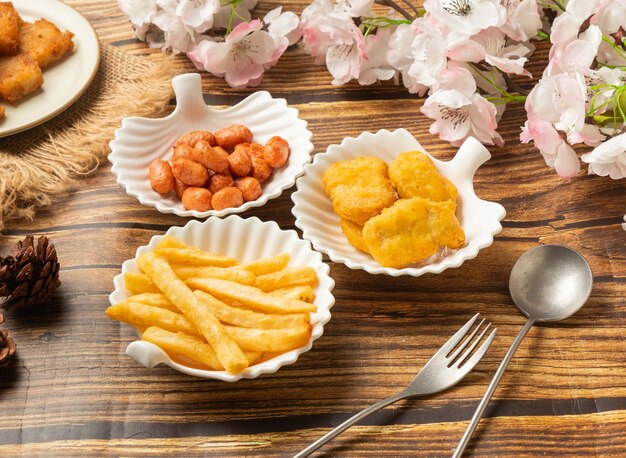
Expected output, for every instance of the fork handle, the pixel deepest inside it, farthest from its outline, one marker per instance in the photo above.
(349, 422)
(480, 410)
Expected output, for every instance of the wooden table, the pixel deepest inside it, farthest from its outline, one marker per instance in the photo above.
(72, 391)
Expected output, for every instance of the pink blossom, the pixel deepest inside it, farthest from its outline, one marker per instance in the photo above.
(286, 25)
(578, 53)
(418, 52)
(197, 14)
(556, 152)
(609, 158)
(139, 12)
(376, 67)
(490, 45)
(459, 111)
(241, 58)
(467, 17)
(522, 19)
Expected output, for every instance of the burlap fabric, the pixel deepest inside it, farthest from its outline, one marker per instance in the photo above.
(42, 164)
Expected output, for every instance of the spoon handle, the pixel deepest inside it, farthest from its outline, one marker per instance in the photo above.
(480, 410)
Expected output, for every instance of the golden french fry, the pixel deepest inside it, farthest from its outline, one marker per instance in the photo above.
(267, 265)
(245, 277)
(249, 296)
(195, 257)
(270, 339)
(286, 278)
(138, 283)
(191, 347)
(156, 300)
(172, 242)
(304, 293)
(248, 318)
(143, 315)
(229, 354)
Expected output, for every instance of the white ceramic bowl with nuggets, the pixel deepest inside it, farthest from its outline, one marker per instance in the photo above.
(247, 240)
(142, 140)
(319, 223)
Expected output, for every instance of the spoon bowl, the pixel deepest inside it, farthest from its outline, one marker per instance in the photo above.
(550, 282)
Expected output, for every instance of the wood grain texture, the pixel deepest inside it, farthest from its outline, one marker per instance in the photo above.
(73, 392)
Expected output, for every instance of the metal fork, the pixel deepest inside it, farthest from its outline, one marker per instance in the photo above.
(445, 369)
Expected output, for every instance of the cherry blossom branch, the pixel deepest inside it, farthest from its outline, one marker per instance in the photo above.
(395, 6)
(513, 86)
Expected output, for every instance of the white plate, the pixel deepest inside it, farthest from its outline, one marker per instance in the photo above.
(247, 240)
(319, 223)
(65, 81)
(142, 140)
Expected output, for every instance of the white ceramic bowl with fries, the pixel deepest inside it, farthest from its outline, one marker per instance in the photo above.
(246, 240)
(314, 213)
(140, 141)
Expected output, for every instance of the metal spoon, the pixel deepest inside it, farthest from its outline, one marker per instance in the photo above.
(547, 283)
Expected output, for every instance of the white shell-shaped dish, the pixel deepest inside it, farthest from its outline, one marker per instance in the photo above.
(319, 223)
(247, 240)
(141, 140)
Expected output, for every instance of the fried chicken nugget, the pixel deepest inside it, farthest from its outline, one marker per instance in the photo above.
(414, 174)
(19, 76)
(10, 22)
(359, 188)
(44, 42)
(354, 234)
(411, 231)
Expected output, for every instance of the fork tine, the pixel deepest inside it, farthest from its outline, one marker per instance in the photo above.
(476, 357)
(471, 348)
(455, 339)
(456, 352)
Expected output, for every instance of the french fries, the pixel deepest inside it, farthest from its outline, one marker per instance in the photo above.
(304, 293)
(245, 277)
(250, 296)
(286, 278)
(267, 265)
(190, 347)
(138, 283)
(144, 316)
(247, 318)
(212, 310)
(192, 256)
(160, 272)
(270, 339)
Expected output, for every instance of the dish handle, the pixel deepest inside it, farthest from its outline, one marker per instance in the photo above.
(147, 354)
(189, 97)
(470, 156)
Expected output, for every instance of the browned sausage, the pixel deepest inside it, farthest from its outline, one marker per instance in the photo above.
(183, 151)
(240, 163)
(276, 152)
(218, 182)
(261, 170)
(256, 150)
(197, 199)
(231, 136)
(227, 198)
(212, 158)
(194, 137)
(250, 188)
(161, 177)
(179, 188)
(189, 172)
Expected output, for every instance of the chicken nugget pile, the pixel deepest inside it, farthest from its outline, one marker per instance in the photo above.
(25, 50)
(217, 171)
(402, 214)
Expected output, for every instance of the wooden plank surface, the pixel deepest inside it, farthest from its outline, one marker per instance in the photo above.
(73, 392)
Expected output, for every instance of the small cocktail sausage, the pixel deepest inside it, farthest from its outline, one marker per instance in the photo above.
(250, 188)
(189, 172)
(197, 199)
(231, 136)
(161, 177)
(227, 198)
(276, 152)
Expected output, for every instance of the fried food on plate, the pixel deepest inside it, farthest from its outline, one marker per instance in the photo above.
(44, 42)
(411, 231)
(359, 188)
(354, 234)
(414, 174)
(10, 22)
(286, 278)
(19, 76)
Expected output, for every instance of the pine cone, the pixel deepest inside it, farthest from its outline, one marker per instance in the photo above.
(30, 275)
(7, 346)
